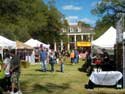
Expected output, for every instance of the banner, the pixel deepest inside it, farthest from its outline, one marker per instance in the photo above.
(83, 44)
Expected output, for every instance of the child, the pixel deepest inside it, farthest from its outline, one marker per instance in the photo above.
(52, 61)
(72, 55)
(61, 66)
(62, 60)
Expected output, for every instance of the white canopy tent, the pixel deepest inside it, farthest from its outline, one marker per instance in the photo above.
(6, 43)
(107, 40)
(36, 43)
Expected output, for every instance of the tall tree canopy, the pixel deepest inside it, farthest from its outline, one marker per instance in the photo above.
(107, 10)
(23, 19)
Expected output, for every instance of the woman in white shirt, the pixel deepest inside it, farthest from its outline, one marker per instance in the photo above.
(6, 63)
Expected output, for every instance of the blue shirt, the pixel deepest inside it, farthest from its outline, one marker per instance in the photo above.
(43, 55)
(76, 53)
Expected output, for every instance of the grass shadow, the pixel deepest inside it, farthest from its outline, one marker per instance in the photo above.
(23, 85)
(38, 70)
(50, 87)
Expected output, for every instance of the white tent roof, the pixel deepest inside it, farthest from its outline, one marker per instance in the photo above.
(107, 40)
(6, 43)
(36, 43)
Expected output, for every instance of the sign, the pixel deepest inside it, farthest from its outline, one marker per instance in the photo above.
(83, 44)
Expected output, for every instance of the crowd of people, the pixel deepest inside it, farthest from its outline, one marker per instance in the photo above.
(51, 57)
(10, 66)
(57, 57)
(74, 55)
(99, 61)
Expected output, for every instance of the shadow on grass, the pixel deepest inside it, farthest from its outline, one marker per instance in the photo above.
(38, 70)
(50, 87)
(24, 84)
(84, 67)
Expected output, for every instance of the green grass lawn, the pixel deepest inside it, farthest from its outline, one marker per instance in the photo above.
(72, 81)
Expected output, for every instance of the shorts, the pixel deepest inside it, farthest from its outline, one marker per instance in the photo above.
(15, 77)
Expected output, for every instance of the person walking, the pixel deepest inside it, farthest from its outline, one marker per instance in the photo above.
(76, 56)
(72, 55)
(15, 72)
(62, 58)
(43, 59)
(52, 61)
(6, 66)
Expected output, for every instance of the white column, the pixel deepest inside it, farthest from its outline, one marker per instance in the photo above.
(91, 38)
(75, 40)
(55, 47)
(82, 37)
(61, 45)
(68, 45)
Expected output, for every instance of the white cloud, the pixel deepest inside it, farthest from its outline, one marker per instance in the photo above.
(72, 17)
(87, 20)
(71, 7)
(75, 19)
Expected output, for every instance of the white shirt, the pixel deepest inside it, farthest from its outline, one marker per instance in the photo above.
(7, 64)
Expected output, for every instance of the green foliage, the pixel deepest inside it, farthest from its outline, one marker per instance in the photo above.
(99, 31)
(107, 10)
(22, 19)
(105, 7)
(83, 24)
(103, 24)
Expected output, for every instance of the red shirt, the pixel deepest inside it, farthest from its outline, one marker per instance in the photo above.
(97, 62)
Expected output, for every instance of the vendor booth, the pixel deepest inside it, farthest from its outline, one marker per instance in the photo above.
(25, 52)
(104, 46)
(107, 40)
(6, 44)
(36, 45)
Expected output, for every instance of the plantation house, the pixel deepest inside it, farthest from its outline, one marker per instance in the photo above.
(76, 36)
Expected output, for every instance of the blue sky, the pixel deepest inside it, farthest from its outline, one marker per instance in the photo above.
(75, 10)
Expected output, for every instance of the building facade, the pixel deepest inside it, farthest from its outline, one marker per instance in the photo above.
(76, 37)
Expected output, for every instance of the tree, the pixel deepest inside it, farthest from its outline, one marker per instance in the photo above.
(107, 10)
(65, 25)
(22, 19)
(110, 7)
(83, 24)
(54, 26)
